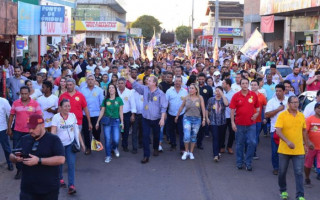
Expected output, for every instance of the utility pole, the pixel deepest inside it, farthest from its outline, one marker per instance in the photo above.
(216, 27)
(74, 17)
(192, 35)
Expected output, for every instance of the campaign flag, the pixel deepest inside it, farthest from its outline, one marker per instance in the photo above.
(135, 50)
(187, 51)
(151, 45)
(254, 45)
(126, 49)
(216, 51)
(206, 55)
(143, 56)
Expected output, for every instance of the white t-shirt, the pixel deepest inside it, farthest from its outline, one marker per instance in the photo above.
(65, 128)
(37, 93)
(275, 79)
(309, 109)
(91, 68)
(235, 87)
(273, 104)
(46, 103)
(103, 70)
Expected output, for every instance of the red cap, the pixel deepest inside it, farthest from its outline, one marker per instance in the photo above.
(34, 120)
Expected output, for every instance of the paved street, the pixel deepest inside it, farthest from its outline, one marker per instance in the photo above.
(167, 177)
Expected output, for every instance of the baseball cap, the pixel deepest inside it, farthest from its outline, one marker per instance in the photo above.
(34, 120)
(317, 105)
(194, 70)
(216, 73)
(81, 56)
(43, 71)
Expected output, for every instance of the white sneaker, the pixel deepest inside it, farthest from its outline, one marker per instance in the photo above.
(216, 158)
(191, 156)
(116, 153)
(185, 155)
(160, 148)
(108, 159)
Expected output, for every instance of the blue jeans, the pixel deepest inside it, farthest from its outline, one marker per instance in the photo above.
(111, 132)
(147, 125)
(274, 153)
(258, 131)
(217, 131)
(245, 136)
(17, 135)
(71, 162)
(191, 126)
(4, 140)
(173, 128)
(297, 161)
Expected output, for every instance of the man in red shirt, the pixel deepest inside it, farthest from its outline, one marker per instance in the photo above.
(245, 106)
(22, 109)
(77, 101)
(262, 105)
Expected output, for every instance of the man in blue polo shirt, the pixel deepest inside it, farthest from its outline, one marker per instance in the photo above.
(94, 97)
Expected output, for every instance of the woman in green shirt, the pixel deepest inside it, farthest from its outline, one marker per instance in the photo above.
(111, 114)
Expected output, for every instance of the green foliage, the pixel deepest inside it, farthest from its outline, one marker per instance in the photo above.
(183, 33)
(147, 23)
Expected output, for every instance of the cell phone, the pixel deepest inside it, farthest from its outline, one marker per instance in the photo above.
(19, 152)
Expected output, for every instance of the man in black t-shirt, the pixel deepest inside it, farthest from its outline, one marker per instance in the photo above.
(206, 92)
(168, 83)
(41, 154)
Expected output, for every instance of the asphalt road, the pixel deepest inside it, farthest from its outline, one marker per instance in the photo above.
(167, 177)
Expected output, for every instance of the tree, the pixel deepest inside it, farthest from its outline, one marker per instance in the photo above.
(147, 23)
(183, 33)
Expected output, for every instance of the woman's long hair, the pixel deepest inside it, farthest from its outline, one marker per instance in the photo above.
(108, 93)
(197, 88)
(59, 89)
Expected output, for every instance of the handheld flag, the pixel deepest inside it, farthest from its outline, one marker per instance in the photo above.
(143, 56)
(216, 51)
(188, 52)
(151, 45)
(254, 45)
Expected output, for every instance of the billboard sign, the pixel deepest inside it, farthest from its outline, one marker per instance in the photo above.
(58, 28)
(100, 26)
(52, 14)
(28, 19)
(268, 7)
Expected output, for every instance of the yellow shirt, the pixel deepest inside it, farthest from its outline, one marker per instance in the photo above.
(141, 76)
(83, 79)
(292, 129)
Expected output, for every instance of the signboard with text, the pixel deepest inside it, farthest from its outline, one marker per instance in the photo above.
(58, 28)
(268, 7)
(52, 14)
(100, 26)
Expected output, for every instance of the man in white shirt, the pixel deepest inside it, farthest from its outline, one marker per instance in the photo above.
(236, 86)
(275, 106)
(309, 109)
(48, 103)
(276, 76)
(4, 139)
(137, 124)
(129, 110)
(179, 72)
(216, 80)
(228, 93)
(175, 96)
(91, 66)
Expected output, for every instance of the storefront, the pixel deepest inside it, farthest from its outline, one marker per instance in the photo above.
(8, 30)
(233, 36)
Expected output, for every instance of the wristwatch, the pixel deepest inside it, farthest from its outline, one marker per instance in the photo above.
(40, 161)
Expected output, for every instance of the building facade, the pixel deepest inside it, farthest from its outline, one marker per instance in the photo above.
(230, 28)
(296, 23)
(101, 20)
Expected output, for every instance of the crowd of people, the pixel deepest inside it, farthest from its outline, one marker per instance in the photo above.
(59, 106)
